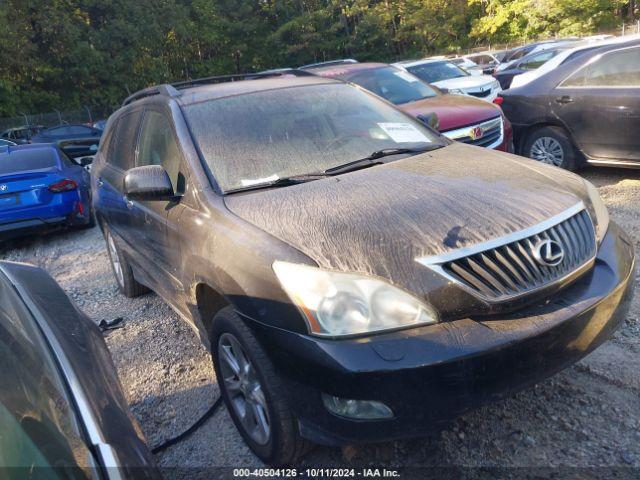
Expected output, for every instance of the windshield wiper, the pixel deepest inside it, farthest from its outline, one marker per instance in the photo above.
(373, 158)
(281, 182)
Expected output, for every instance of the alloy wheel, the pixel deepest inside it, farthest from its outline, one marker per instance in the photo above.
(547, 150)
(115, 260)
(244, 389)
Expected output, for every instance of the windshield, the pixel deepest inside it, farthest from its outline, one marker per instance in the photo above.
(260, 137)
(437, 71)
(393, 84)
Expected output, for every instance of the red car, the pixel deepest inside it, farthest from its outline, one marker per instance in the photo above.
(461, 118)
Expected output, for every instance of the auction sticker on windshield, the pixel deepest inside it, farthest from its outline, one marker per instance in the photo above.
(403, 132)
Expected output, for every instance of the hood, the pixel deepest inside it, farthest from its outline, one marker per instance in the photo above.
(466, 82)
(376, 221)
(454, 111)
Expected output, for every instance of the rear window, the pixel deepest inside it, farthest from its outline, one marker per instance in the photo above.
(23, 160)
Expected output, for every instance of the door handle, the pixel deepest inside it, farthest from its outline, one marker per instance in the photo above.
(564, 99)
(100, 183)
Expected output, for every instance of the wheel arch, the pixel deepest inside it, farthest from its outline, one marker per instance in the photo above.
(527, 131)
(208, 301)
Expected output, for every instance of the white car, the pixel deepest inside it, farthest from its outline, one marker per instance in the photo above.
(444, 74)
(486, 61)
(470, 66)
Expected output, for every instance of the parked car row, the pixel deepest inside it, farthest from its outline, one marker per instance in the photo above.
(40, 134)
(463, 118)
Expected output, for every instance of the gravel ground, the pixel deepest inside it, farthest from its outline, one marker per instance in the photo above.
(585, 416)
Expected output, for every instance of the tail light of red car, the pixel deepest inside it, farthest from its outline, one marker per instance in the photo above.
(65, 185)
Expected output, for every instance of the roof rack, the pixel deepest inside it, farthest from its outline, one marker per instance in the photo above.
(328, 63)
(165, 89)
(173, 89)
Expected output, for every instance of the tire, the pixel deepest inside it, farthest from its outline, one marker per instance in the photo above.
(551, 145)
(282, 445)
(127, 284)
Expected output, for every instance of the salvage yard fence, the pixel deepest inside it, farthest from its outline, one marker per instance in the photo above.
(86, 115)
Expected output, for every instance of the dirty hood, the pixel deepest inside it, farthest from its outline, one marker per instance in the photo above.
(378, 220)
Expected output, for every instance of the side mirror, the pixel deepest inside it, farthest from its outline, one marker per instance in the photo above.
(150, 182)
(86, 161)
(430, 120)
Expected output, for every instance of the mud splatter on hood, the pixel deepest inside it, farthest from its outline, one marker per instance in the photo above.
(378, 220)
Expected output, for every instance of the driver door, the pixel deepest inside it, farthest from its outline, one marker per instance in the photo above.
(600, 105)
(157, 146)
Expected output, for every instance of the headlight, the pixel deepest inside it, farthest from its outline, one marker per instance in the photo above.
(456, 91)
(598, 211)
(347, 304)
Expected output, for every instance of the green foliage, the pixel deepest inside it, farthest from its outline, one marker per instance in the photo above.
(61, 54)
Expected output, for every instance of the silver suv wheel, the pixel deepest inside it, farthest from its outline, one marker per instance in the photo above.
(244, 389)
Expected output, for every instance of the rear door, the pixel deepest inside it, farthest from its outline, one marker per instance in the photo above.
(158, 145)
(600, 105)
(118, 158)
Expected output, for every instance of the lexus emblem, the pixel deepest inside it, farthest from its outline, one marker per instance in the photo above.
(3, 187)
(548, 252)
(476, 133)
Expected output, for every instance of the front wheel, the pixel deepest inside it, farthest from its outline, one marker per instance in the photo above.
(551, 145)
(253, 392)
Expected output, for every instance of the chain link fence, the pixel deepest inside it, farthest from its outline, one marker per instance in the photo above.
(85, 115)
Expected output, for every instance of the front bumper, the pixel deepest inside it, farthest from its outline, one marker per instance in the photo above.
(430, 375)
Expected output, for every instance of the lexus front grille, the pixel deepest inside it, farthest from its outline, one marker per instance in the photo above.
(526, 261)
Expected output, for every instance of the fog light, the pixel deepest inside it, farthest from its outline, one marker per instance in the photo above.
(359, 409)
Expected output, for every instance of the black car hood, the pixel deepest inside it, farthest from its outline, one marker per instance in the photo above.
(376, 221)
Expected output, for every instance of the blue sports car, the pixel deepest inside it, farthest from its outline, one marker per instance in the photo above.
(41, 188)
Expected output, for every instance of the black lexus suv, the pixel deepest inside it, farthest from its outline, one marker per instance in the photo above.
(358, 276)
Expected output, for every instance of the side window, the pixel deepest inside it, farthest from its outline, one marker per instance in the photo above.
(158, 146)
(537, 60)
(123, 142)
(616, 69)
